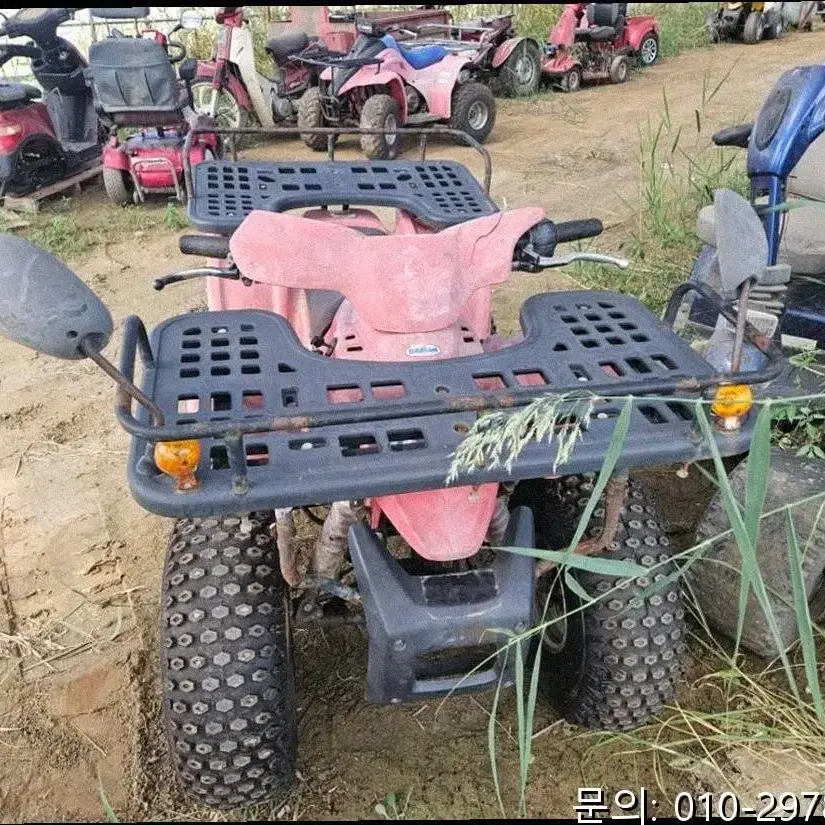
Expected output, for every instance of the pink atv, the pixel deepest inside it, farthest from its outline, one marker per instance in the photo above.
(597, 41)
(513, 62)
(343, 361)
(383, 84)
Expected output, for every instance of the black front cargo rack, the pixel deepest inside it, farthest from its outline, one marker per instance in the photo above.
(281, 426)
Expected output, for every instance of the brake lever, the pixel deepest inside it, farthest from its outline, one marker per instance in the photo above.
(191, 274)
(532, 262)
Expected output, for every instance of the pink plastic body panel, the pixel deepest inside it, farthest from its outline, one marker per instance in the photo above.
(412, 294)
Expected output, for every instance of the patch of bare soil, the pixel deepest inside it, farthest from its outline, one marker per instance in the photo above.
(80, 562)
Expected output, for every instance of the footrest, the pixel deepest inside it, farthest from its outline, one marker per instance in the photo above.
(437, 193)
(284, 427)
(431, 636)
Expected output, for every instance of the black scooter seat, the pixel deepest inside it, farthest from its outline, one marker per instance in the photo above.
(286, 45)
(595, 34)
(15, 94)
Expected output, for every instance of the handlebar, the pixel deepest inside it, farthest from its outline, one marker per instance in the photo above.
(205, 246)
(578, 230)
(181, 51)
(738, 136)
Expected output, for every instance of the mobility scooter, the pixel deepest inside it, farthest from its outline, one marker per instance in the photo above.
(785, 161)
(135, 88)
(344, 361)
(384, 84)
(602, 48)
(51, 134)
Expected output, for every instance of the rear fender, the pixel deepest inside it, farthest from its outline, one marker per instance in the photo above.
(437, 84)
(508, 47)
(114, 157)
(637, 29)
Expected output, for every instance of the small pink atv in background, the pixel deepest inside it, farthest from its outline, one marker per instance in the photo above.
(383, 84)
(600, 49)
(511, 61)
(230, 88)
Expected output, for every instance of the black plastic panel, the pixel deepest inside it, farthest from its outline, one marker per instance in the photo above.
(239, 366)
(438, 193)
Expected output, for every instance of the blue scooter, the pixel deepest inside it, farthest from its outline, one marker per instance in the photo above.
(790, 120)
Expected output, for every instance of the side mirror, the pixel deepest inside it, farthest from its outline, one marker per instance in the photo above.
(741, 243)
(45, 306)
(191, 20)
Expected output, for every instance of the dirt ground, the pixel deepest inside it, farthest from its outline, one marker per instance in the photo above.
(80, 562)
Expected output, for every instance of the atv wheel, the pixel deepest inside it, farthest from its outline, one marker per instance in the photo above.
(118, 185)
(774, 30)
(754, 28)
(381, 112)
(619, 69)
(572, 81)
(474, 110)
(520, 74)
(649, 50)
(310, 115)
(715, 580)
(229, 698)
(615, 664)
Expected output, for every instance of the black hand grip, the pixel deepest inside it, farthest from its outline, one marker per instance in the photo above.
(734, 136)
(577, 230)
(205, 246)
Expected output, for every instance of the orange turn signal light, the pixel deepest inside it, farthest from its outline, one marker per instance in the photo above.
(179, 460)
(731, 404)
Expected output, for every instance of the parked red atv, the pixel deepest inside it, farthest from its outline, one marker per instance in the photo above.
(598, 41)
(511, 61)
(383, 84)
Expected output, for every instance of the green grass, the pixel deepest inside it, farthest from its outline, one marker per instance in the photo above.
(763, 709)
(678, 171)
(70, 235)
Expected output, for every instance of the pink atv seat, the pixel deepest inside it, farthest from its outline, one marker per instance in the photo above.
(396, 283)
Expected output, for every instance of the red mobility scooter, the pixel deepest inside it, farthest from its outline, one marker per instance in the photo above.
(135, 87)
(598, 41)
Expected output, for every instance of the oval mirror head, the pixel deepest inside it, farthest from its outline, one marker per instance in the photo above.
(741, 243)
(191, 20)
(45, 306)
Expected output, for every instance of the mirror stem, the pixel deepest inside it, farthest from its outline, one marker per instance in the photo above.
(122, 382)
(741, 320)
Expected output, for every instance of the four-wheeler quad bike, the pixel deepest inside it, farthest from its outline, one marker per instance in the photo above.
(513, 62)
(598, 41)
(382, 84)
(42, 142)
(749, 22)
(230, 88)
(343, 361)
(785, 162)
(135, 88)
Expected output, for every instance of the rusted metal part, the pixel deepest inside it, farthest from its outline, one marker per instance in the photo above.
(614, 497)
(498, 524)
(328, 555)
(126, 389)
(741, 321)
(284, 529)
